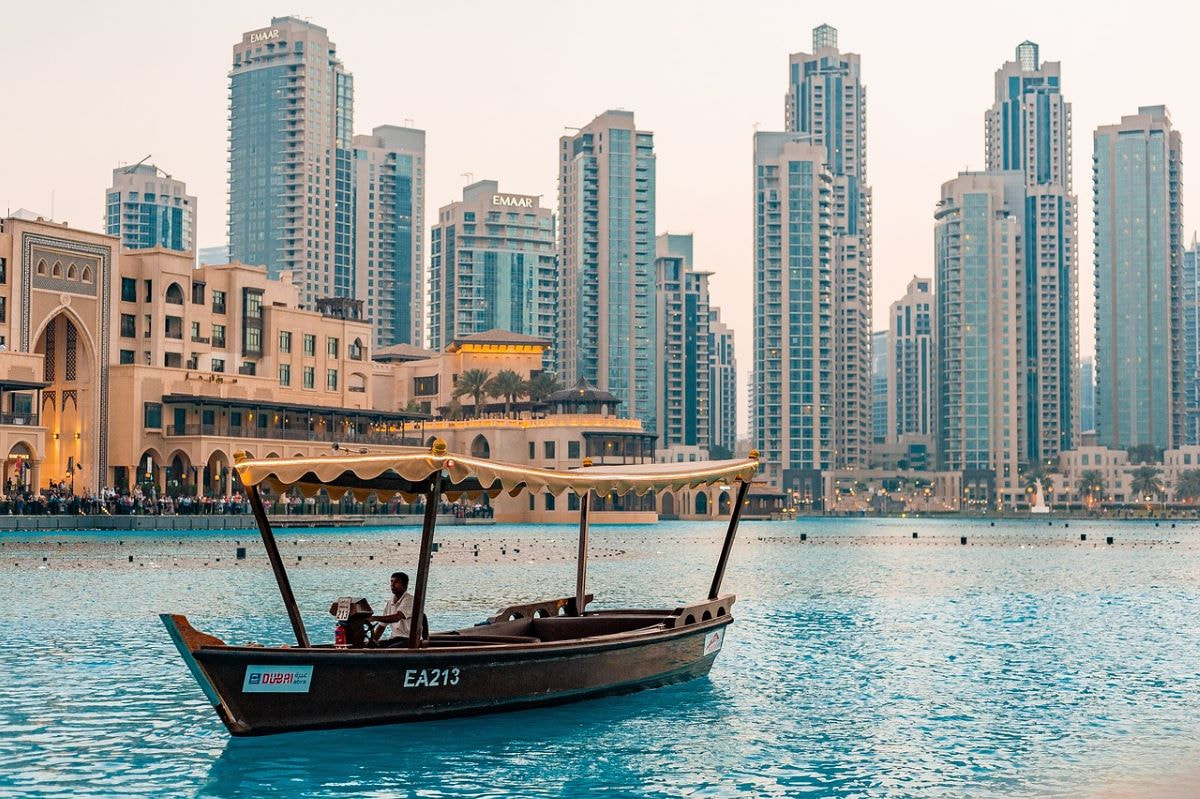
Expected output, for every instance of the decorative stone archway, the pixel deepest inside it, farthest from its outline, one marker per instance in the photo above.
(70, 400)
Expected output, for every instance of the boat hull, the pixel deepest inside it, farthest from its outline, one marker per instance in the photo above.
(260, 691)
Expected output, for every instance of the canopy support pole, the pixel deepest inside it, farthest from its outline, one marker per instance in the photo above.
(581, 572)
(416, 623)
(285, 588)
(734, 517)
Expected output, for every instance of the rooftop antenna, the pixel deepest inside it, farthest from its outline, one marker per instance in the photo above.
(129, 169)
(408, 122)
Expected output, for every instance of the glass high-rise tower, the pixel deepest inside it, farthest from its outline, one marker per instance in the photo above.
(827, 102)
(607, 335)
(685, 391)
(290, 160)
(1028, 130)
(1137, 185)
(389, 232)
(146, 208)
(793, 378)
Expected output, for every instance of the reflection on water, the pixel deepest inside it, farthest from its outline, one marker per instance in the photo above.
(861, 663)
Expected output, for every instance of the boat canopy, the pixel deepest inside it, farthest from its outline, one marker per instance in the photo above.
(409, 473)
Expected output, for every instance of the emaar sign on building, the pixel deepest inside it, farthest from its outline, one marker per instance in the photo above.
(513, 201)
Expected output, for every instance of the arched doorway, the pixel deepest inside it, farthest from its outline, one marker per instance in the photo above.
(723, 503)
(480, 448)
(69, 406)
(701, 503)
(150, 473)
(179, 475)
(216, 474)
(667, 506)
(19, 472)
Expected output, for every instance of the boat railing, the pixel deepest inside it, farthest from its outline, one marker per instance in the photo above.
(562, 606)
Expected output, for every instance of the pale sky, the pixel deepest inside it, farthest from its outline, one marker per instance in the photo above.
(91, 86)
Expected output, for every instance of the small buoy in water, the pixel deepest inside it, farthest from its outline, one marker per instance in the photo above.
(914, 533)
(241, 553)
(963, 540)
(1109, 539)
(131, 558)
(1083, 536)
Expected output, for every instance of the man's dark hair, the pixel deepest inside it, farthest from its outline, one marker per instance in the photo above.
(401, 576)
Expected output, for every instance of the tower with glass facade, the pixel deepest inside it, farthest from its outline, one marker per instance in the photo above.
(1189, 341)
(879, 387)
(722, 382)
(389, 232)
(1138, 251)
(290, 173)
(911, 406)
(607, 327)
(1028, 129)
(980, 333)
(684, 391)
(793, 310)
(827, 102)
(146, 207)
(493, 265)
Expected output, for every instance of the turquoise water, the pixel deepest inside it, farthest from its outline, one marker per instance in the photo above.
(861, 663)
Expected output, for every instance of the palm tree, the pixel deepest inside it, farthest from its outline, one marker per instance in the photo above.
(1187, 487)
(414, 407)
(473, 382)
(1091, 484)
(1144, 453)
(454, 410)
(507, 384)
(543, 385)
(1145, 482)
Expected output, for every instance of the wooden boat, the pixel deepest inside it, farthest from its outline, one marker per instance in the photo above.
(539, 653)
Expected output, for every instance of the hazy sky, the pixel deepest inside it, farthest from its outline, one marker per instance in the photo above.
(90, 86)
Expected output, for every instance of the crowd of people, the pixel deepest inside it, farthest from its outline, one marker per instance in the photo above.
(60, 498)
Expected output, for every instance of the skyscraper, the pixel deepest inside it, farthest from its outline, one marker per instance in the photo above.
(684, 393)
(290, 175)
(980, 331)
(389, 232)
(1087, 395)
(606, 194)
(1029, 130)
(1137, 184)
(793, 309)
(1189, 341)
(879, 387)
(827, 101)
(911, 359)
(492, 265)
(722, 382)
(146, 208)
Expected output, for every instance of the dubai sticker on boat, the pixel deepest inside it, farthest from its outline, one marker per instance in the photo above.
(277, 679)
(713, 641)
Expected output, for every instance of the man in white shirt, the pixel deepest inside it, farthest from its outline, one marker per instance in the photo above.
(396, 613)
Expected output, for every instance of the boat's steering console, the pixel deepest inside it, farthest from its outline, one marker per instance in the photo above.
(352, 629)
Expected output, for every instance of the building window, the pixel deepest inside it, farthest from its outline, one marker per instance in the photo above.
(310, 344)
(149, 290)
(218, 336)
(425, 386)
(572, 501)
(331, 347)
(128, 325)
(252, 322)
(127, 356)
(152, 415)
(218, 364)
(310, 377)
(218, 302)
(532, 450)
(331, 379)
(173, 360)
(285, 341)
(356, 350)
(3, 271)
(3, 308)
(128, 289)
(548, 448)
(549, 500)
(285, 374)
(573, 450)
(197, 293)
